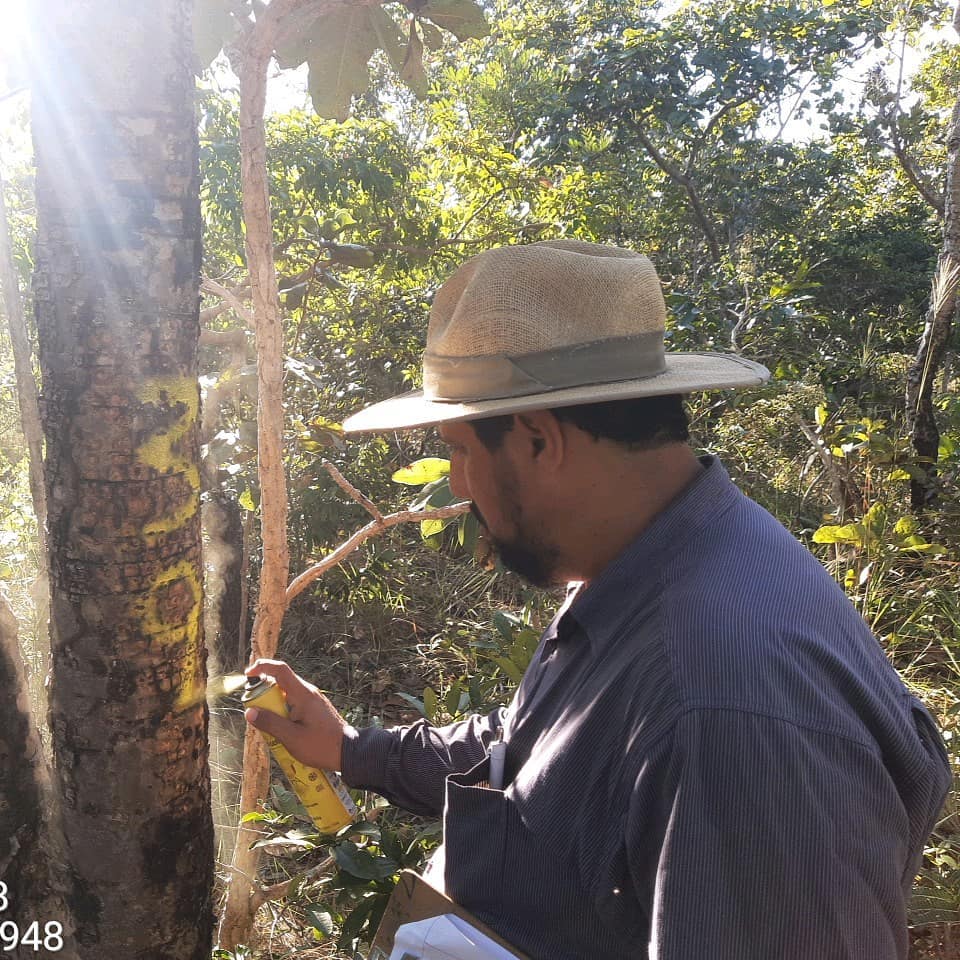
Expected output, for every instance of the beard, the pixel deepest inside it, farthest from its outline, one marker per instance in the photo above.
(525, 554)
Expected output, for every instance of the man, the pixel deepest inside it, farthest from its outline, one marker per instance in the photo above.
(709, 756)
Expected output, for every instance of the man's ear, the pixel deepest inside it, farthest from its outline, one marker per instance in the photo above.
(542, 434)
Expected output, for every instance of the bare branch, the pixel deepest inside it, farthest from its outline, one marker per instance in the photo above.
(230, 298)
(844, 498)
(681, 178)
(211, 313)
(234, 339)
(351, 491)
(914, 174)
(365, 533)
(278, 891)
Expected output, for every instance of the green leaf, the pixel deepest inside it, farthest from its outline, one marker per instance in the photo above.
(365, 828)
(296, 36)
(432, 37)
(430, 528)
(451, 701)
(422, 471)
(412, 72)
(905, 526)
(413, 701)
(320, 920)
(435, 494)
(389, 37)
(875, 518)
(355, 922)
(848, 533)
(212, 27)
(338, 58)
(390, 846)
(509, 668)
(287, 802)
(463, 18)
(246, 500)
(468, 532)
(429, 703)
(505, 624)
(351, 254)
(360, 863)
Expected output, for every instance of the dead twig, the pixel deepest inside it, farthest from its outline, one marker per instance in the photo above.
(230, 298)
(352, 491)
(278, 891)
(365, 533)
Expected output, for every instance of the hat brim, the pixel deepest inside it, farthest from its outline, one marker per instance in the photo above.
(685, 373)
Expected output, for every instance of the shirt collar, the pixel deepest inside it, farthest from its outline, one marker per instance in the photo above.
(600, 607)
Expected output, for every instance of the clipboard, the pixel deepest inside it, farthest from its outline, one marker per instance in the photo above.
(414, 899)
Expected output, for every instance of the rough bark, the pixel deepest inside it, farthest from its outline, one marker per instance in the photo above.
(223, 527)
(30, 845)
(27, 394)
(117, 273)
(921, 417)
(239, 908)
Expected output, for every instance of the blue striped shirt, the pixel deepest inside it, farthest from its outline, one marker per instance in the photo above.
(709, 757)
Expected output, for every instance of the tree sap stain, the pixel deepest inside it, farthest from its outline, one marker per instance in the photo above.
(163, 449)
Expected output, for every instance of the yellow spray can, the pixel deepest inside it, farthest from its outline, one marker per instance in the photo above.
(322, 792)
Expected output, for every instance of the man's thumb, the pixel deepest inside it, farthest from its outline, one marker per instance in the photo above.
(268, 722)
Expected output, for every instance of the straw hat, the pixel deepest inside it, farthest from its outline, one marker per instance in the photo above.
(549, 324)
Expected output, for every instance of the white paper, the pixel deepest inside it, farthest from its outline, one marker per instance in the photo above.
(446, 937)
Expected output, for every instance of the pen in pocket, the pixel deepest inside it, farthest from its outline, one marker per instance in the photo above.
(498, 754)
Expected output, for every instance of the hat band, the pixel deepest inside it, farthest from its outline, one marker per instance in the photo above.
(492, 377)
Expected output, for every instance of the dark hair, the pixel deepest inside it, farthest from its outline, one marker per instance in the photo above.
(641, 423)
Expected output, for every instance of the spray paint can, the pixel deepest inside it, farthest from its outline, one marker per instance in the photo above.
(322, 792)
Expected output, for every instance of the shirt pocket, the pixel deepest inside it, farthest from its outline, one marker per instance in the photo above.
(482, 835)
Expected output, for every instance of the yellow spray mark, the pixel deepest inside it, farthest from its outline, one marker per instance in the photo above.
(216, 689)
(161, 450)
(169, 613)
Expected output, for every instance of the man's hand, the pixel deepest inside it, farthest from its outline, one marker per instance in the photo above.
(314, 731)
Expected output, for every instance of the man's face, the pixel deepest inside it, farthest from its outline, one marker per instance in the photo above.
(493, 481)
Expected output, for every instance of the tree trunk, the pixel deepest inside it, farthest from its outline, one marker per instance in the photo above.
(921, 419)
(253, 58)
(117, 274)
(30, 845)
(239, 909)
(26, 385)
(223, 525)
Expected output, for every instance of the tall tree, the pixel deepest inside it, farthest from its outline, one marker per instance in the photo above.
(921, 415)
(117, 274)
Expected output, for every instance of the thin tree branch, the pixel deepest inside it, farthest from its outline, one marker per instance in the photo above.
(679, 177)
(352, 491)
(365, 533)
(278, 891)
(843, 497)
(913, 172)
(230, 298)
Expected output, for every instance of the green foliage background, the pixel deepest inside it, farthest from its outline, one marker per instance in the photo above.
(724, 139)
